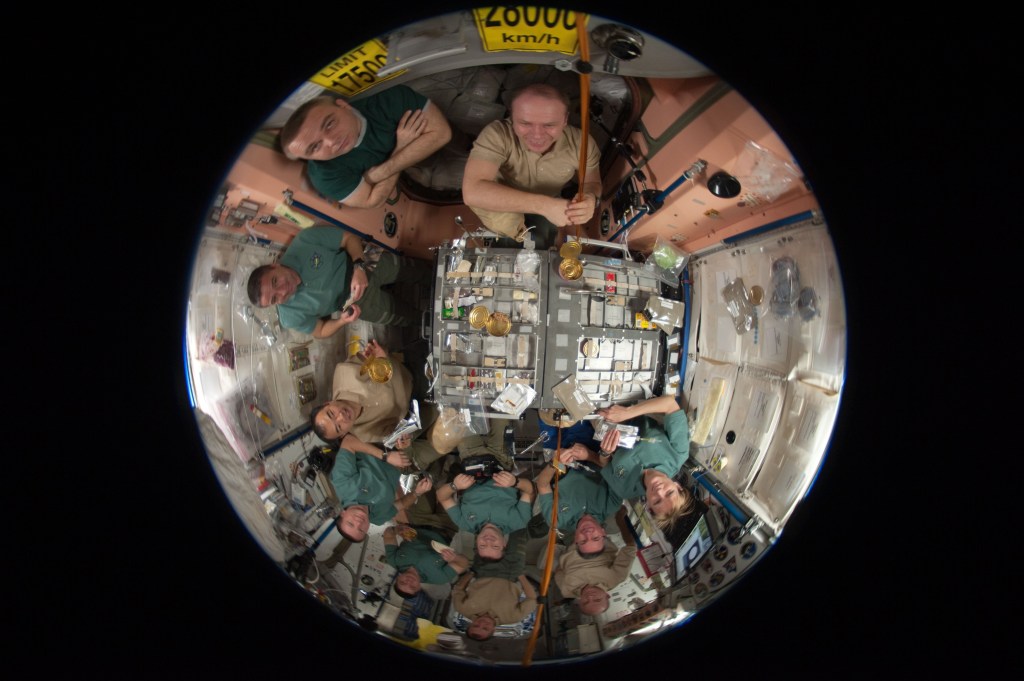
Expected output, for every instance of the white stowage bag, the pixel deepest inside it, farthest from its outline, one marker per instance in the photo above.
(485, 84)
(472, 115)
(239, 487)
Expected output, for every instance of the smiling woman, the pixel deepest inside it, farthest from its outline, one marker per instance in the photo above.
(381, 175)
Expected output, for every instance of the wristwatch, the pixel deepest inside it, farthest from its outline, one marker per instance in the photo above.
(603, 454)
(360, 263)
(454, 488)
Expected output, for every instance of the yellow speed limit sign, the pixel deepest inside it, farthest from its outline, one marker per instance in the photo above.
(529, 29)
(355, 71)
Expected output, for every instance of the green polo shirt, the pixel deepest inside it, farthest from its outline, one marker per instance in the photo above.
(580, 494)
(487, 503)
(338, 177)
(668, 453)
(326, 273)
(359, 478)
(418, 553)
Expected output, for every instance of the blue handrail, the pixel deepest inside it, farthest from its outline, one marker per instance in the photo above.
(722, 499)
(685, 332)
(337, 223)
(273, 449)
(660, 197)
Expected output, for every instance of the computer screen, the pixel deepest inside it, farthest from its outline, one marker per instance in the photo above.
(692, 551)
(691, 539)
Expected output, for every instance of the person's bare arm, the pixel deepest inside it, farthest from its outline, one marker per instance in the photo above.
(456, 561)
(375, 349)
(399, 504)
(579, 452)
(544, 480)
(354, 246)
(406, 501)
(583, 206)
(570, 454)
(395, 458)
(325, 328)
(504, 479)
(445, 493)
(609, 445)
(354, 444)
(481, 189)
(526, 490)
(423, 485)
(527, 587)
(524, 485)
(665, 404)
(370, 195)
(419, 134)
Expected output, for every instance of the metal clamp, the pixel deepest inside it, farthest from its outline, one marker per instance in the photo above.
(626, 255)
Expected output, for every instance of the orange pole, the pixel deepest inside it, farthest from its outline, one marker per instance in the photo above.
(581, 29)
(550, 553)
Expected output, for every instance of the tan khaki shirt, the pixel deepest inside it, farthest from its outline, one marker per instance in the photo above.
(607, 570)
(384, 404)
(520, 168)
(494, 596)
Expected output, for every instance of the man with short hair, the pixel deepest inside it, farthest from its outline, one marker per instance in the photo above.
(581, 494)
(595, 566)
(519, 167)
(355, 151)
(496, 510)
(499, 504)
(322, 271)
(490, 602)
(369, 490)
(418, 562)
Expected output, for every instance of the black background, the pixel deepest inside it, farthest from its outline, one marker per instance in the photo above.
(149, 572)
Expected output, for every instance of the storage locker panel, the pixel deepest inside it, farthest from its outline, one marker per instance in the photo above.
(741, 444)
(485, 325)
(593, 327)
(707, 397)
(795, 453)
(597, 331)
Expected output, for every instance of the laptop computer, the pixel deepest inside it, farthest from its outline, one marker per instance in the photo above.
(691, 539)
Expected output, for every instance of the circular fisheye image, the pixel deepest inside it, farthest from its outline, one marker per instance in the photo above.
(515, 336)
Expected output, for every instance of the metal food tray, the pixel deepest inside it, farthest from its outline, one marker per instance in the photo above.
(552, 320)
(597, 331)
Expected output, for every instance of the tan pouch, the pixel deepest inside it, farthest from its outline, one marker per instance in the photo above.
(448, 430)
